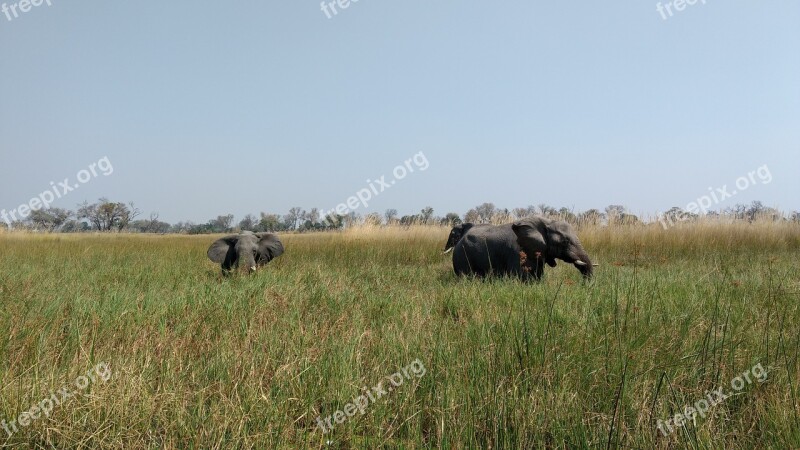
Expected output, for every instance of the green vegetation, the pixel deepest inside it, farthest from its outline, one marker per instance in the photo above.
(202, 361)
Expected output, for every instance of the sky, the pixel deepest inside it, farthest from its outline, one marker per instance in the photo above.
(210, 108)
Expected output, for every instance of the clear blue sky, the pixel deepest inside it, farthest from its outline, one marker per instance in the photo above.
(239, 107)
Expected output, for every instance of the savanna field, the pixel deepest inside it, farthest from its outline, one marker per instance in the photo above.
(198, 360)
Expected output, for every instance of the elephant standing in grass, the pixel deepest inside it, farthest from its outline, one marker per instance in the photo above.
(520, 249)
(457, 233)
(488, 250)
(547, 240)
(252, 249)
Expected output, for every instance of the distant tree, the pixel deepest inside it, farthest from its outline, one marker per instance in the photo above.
(248, 223)
(528, 211)
(74, 226)
(675, 215)
(426, 214)
(591, 217)
(288, 223)
(106, 215)
(49, 219)
(312, 216)
(412, 219)
(222, 224)
(270, 222)
(501, 216)
(373, 219)
(547, 210)
(472, 216)
(485, 212)
(614, 213)
(754, 211)
(391, 216)
(737, 211)
(567, 215)
(20, 225)
(310, 220)
(292, 219)
(333, 221)
(451, 219)
(151, 225)
(772, 214)
(182, 227)
(629, 219)
(203, 228)
(90, 213)
(352, 219)
(757, 211)
(160, 227)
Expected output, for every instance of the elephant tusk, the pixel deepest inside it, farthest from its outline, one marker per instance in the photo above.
(253, 268)
(448, 250)
(578, 262)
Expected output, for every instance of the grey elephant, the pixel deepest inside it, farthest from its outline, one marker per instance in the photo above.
(251, 249)
(456, 233)
(547, 240)
(520, 249)
(488, 250)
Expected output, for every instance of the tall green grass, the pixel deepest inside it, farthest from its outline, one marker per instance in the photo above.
(202, 361)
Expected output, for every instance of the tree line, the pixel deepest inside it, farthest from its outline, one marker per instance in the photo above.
(108, 216)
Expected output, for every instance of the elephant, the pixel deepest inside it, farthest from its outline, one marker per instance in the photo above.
(253, 249)
(488, 250)
(519, 249)
(457, 233)
(545, 240)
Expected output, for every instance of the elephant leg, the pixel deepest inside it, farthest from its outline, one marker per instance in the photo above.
(531, 270)
(537, 269)
(231, 261)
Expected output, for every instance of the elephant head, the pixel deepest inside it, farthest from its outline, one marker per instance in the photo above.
(543, 238)
(456, 234)
(251, 249)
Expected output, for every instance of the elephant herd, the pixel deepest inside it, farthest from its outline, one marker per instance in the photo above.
(519, 249)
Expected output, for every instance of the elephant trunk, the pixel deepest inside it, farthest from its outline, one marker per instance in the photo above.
(251, 263)
(582, 262)
(247, 257)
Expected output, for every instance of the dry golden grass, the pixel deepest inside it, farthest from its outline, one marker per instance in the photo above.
(203, 361)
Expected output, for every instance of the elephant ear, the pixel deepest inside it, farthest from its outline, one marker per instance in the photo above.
(269, 247)
(531, 236)
(222, 249)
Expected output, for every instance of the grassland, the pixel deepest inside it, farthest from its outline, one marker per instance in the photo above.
(202, 361)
